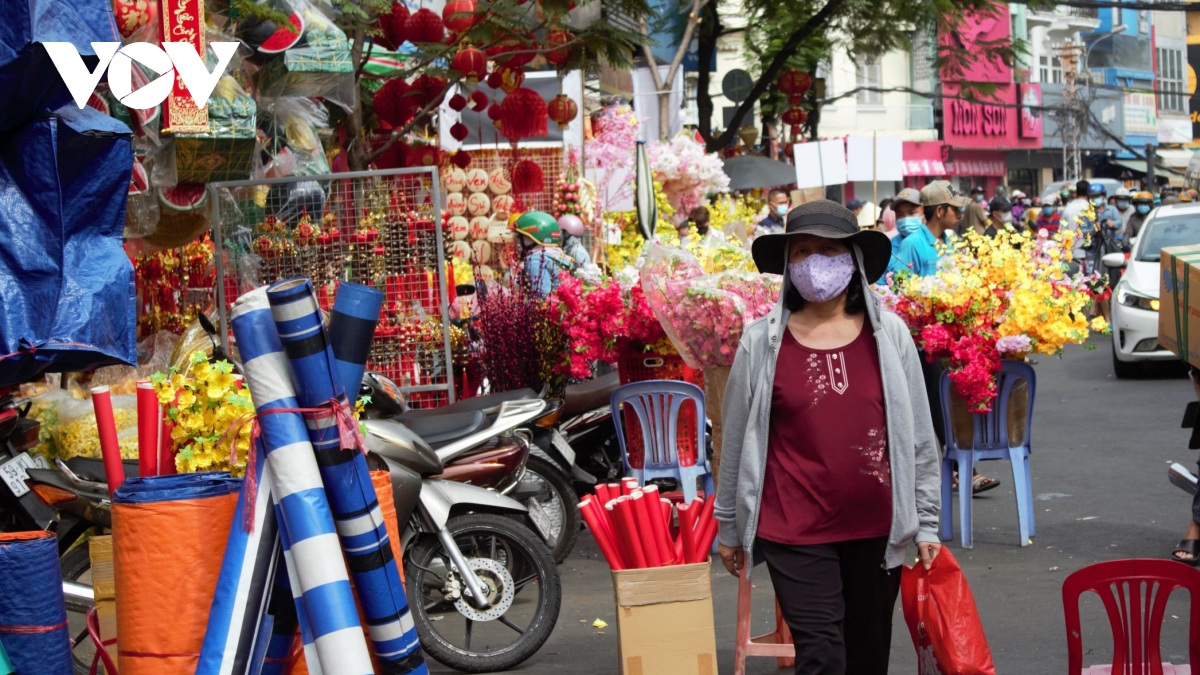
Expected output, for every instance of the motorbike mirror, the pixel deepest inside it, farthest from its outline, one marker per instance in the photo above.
(1115, 260)
(206, 324)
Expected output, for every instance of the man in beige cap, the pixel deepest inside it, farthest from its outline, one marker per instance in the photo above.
(907, 206)
(943, 209)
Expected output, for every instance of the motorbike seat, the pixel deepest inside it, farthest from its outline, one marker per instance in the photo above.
(587, 396)
(439, 430)
(473, 404)
(91, 469)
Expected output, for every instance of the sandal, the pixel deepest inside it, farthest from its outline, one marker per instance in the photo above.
(1192, 548)
(981, 484)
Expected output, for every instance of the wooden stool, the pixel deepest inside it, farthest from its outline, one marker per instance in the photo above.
(777, 644)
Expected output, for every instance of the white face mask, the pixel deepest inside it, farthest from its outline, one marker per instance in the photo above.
(1006, 217)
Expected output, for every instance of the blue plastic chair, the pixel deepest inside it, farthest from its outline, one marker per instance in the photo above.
(656, 404)
(990, 441)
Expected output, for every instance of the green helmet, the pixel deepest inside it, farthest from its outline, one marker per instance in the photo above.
(540, 227)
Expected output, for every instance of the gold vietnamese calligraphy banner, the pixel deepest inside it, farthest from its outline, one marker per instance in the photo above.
(183, 21)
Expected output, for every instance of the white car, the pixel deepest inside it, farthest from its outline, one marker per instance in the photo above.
(1135, 299)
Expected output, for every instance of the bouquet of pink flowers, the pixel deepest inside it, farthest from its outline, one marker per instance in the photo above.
(599, 320)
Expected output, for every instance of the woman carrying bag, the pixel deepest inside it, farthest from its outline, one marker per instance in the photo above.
(830, 466)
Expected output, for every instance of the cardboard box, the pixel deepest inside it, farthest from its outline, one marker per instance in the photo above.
(665, 621)
(1179, 296)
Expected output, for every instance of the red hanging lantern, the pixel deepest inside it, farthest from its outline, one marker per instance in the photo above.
(560, 54)
(523, 115)
(461, 159)
(794, 82)
(393, 25)
(392, 102)
(796, 130)
(471, 63)
(527, 177)
(423, 155)
(457, 103)
(494, 114)
(795, 116)
(562, 110)
(795, 100)
(459, 131)
(494, 79)
(425, 26)
(395, 157)
(789, 150)
(459, 15)
(133, 14)
(512, 52)
(479, 101)
(427, 89)
(511, 79)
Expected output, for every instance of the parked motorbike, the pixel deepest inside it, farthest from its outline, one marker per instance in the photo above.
(19, 509)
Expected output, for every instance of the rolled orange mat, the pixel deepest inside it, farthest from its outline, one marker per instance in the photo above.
(169, 536)
(382, 480)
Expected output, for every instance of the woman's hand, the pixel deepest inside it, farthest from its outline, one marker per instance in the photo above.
(734, 558)
(926, 551)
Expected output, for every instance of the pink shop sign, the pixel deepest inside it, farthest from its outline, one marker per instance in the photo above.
(992, 123)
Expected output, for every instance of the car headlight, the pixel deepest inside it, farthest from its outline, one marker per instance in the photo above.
(1130, 299)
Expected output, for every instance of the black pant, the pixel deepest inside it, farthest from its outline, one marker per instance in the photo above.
(932, 373)
(838, 600)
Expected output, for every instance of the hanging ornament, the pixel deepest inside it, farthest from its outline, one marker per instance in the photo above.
(394, 26)
(392, 102)
(794, 82)
(471, 63)
(796, 130)
(560, 54)
(395, 157)
(423, 155)
(133, 14)
(795, 100)
(493, 114)
(457, 103)
(523, 115)
(498, 182)
(425, 26)
(494, 80)
(479, 101)
(562, 110)
(527, 177)
(477, 180)
(795, 116)
(461, 159)
(459, 15)
(459, 131)
(426, 90)
(511, 79)
(512, 51)
(456, 203)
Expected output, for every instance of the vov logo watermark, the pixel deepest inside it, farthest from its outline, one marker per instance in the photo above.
(179, 58)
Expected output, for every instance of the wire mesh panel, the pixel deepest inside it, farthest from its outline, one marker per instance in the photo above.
(550, 159)
(378, 228)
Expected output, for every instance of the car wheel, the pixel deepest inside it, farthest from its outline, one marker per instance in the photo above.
(1123, 370)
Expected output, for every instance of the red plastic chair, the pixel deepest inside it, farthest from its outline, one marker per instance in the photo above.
(1135, 594)
(777, 644)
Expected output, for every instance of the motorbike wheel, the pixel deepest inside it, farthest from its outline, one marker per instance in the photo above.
(524, 609)
(559, 505)
(76, 566)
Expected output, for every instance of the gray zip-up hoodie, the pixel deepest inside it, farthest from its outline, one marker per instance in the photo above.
(912, 445)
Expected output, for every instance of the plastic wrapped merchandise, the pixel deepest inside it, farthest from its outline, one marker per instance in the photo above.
(168, 542)
(226, 152)
(319, 66)
(291, 125)
(33, 618)
(75, 434)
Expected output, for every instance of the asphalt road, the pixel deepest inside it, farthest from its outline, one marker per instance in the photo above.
(1101, 447)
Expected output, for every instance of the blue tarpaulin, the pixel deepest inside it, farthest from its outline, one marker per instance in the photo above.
(33, 618)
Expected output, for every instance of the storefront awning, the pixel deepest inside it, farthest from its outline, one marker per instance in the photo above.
(1174, 158)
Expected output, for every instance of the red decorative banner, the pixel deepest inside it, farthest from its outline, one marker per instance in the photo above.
(183, 21)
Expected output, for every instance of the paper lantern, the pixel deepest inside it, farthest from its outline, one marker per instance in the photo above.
(498, 182)
(392, 102)
(470, 63)
(461, 159)
(131, 15)
(454, 180)
(513, 52)
(423, 155)
(511, 79)
(795, 116)
(795, 100)
(794, 82)
(479, 101)
(527, 177)
(395, 157)
(523, 115)
(796, 130)
(493, 114)
(748, 134)
(394, 26)
(459, 131)
(427, 89)
(457, 103)
(425, 26)
(562, 110)
(493, 79)
(560, 54)
(459, 15)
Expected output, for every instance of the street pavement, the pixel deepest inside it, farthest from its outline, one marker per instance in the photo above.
(1101, 448)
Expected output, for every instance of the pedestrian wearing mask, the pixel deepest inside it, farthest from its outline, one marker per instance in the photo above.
(1143, 204)
(975, 218)
(1124, 205)
(777, 210)
(1000, 216)
(830, 506)
(1108, 238)
(907, 206)
(1048, 218)
(1019, 203)
(1032, 212)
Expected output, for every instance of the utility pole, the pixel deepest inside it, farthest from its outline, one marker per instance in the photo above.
(1150, 179)
(1072, 162)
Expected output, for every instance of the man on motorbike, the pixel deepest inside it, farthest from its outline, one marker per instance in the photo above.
(541, 241)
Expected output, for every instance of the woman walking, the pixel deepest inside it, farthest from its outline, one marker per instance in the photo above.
(830, 466)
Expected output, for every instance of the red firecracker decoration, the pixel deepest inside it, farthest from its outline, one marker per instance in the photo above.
(457, 103)
(423, 155)
(523, 115)
(527, 177)
(471, 63)
(459, 15)
(560, 54)
(392, 102)
(394, 26)
(459, 131)
(479, 101)
(461, 159)
(511, 79)
(562, 110)
(425, 26)
(794, 82)
(494, 114)
(795, 116)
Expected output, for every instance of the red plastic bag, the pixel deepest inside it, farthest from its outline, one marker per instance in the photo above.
(940, 612)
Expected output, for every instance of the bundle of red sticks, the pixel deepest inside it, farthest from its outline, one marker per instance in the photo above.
(633, 526)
